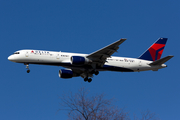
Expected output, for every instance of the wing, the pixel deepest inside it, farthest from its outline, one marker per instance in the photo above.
(100, 56)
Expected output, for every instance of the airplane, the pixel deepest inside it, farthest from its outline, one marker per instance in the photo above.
(86, 65)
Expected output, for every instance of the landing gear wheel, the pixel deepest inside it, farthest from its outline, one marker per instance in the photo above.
(27, 67)
(85, 79)
(96, 72)
(28, 71)
(89, 80)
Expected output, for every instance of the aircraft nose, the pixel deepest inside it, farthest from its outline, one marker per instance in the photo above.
(10, 58)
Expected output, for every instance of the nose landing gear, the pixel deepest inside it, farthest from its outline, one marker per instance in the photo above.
(27, 67)
(28, 71)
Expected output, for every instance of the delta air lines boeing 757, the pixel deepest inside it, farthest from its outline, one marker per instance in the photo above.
(85, 65)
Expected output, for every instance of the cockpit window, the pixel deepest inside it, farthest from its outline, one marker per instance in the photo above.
(16, 53)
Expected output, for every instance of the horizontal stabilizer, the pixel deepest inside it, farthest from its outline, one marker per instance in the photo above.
(162, 60)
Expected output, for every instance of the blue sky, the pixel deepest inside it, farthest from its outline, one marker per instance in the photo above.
(84, 27)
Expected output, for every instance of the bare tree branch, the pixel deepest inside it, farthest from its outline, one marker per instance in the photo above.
(147, 115)
(81, 106)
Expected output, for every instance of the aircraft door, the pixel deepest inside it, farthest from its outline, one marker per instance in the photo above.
(27, 54)
(140, 63)
(58, 55)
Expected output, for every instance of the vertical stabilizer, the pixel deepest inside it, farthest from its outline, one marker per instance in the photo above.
(155, 51)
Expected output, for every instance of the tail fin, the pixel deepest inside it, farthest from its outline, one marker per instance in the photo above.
(155, 51)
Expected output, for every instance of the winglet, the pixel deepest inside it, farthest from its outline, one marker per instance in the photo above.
(162, 60)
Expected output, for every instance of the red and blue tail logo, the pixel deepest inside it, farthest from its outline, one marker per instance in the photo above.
(155, 51)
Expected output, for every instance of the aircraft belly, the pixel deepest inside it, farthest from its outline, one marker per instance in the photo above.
(69, 65)
(117, 68)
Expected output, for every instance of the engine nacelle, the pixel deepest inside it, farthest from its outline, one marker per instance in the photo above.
(63, 73)
(78, 60)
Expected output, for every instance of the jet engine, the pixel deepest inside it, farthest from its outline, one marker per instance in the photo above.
(78, 60)
(64, 73)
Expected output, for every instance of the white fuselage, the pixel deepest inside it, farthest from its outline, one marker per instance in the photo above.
(122, 64)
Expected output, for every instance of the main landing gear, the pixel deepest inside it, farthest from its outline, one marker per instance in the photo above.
(90, 75)
(27, 67)
(87, 79)
(96, 72)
